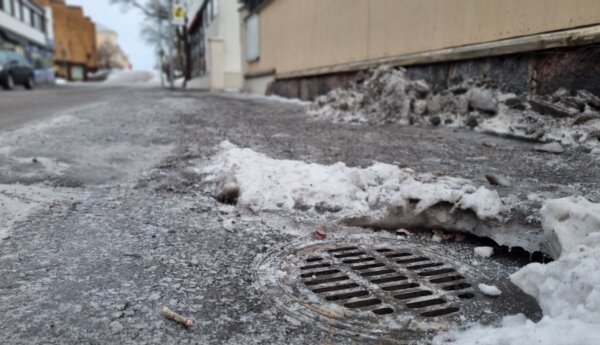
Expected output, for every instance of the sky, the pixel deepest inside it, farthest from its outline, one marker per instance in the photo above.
(126, 24)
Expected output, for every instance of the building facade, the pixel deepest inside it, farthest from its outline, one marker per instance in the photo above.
(75, 52)
(110, 54)
(26, 28)
(293, 43)
(214, 36)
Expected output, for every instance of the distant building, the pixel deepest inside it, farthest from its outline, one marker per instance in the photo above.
(214, 34)
(305, 48)
(110, 54)
(75, 52)
(26, 28)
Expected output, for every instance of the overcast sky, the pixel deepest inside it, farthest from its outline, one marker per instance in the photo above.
(126, 24)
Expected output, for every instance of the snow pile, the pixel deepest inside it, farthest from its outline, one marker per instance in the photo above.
(387, 95)
(568, 289)
(258, 182)
(133, 77)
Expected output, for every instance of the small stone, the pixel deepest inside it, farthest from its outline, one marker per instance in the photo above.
(435, 120)
(419, 106)
(472, 122)
(117, 315)
(498, 180)
(483, 100)
(422, 87)
(116, 327)
(553, 147)
(484, 252)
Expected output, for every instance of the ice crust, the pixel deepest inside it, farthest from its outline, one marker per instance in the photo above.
(568, 289)
(270, 184)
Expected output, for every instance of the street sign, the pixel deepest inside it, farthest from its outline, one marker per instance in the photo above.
(178, 15)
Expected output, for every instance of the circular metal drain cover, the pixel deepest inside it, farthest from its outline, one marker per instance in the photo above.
(387, 288)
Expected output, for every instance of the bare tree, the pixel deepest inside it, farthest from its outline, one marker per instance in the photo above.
(157, 12)
(106, 55)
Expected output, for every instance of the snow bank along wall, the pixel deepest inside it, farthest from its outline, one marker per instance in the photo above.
(311, 46)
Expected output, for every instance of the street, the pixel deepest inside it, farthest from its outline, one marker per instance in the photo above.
(106, 216)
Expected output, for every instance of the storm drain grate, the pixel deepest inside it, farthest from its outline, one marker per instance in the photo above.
(378, 286)
(386, 280)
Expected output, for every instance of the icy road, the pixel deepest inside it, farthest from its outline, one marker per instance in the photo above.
(107, 212)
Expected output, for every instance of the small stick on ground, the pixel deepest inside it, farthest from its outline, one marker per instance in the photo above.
(171, 315)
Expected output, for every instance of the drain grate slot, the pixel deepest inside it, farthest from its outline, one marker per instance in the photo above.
(368, 266)
(312, 267)
(456, 287)
(423, 266)
(314, 259)
(355, 261)
(400, 287)
(425, 303)
(336, 288)
(343, 249)
(325, 280)
(347, 295)
(383, 250)
(414, 294)
(319, 273)
(446, 279)
(383, 311)
(440, 312)
(348, 255)
(377, 273)
(388, 279)
(437, 272)
(363, 303)
(398, 255)
(466, 295)
(412, 260)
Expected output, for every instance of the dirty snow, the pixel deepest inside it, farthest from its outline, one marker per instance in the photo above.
(485, 252)
(264, 183)
(133, 77)
(568, 289)
(387, 95)
(490, 290)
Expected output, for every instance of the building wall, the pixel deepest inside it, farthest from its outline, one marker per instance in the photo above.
(224, 28)
(21, 28)
(74, 37)
(302, 35)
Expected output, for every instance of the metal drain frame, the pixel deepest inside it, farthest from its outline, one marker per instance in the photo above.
(436, 292)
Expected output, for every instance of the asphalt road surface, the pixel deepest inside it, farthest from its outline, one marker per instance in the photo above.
(104, 220)
(20, 105)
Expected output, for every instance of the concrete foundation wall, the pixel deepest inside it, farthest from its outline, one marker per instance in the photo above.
(258, 85)
(540, 72)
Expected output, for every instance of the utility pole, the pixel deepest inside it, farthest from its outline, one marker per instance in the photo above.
(170, 26)
(161, 52)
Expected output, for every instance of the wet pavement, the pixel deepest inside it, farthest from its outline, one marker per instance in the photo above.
(104, 220)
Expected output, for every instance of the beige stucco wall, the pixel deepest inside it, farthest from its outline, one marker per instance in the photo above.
(300, 35)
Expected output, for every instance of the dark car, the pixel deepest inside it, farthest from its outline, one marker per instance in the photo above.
(14, 70)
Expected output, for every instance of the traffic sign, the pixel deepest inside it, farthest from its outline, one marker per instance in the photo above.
(178, 15)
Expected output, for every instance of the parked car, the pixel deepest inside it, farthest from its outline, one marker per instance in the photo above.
(15, 70)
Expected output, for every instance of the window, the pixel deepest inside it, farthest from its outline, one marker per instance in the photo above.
(252, 38)
(215, 7)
